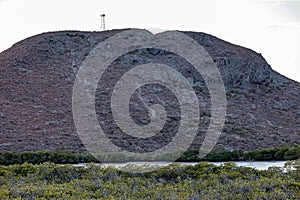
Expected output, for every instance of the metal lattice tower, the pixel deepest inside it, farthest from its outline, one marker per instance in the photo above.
(102, 22)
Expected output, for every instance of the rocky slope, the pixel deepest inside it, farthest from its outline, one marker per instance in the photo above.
(38, 73)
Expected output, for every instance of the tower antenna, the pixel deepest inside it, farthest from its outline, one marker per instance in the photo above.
(102, 28)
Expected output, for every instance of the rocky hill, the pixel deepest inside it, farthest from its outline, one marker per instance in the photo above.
(38, 73)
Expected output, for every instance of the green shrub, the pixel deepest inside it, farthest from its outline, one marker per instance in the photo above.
(292, 153)
(202, 181)
(67, 157)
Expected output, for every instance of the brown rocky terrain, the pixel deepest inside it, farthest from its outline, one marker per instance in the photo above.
(38, 73)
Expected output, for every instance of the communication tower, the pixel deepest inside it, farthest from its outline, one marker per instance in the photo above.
(102, 22)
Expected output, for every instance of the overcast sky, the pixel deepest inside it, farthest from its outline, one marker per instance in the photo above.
(270, 27)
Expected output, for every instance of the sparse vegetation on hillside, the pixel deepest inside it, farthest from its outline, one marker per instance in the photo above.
(37, 81)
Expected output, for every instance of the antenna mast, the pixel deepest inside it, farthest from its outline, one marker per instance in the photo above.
(102, 28)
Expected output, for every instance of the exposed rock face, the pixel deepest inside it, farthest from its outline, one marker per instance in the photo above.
(37, 77)
(240, 67)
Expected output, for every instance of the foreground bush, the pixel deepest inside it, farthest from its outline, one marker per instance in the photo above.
(202, 181)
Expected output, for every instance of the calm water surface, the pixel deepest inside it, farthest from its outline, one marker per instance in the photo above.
(260, 165)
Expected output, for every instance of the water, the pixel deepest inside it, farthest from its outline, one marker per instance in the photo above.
(260, 165)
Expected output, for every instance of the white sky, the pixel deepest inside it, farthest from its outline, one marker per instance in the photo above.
(270, 27)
